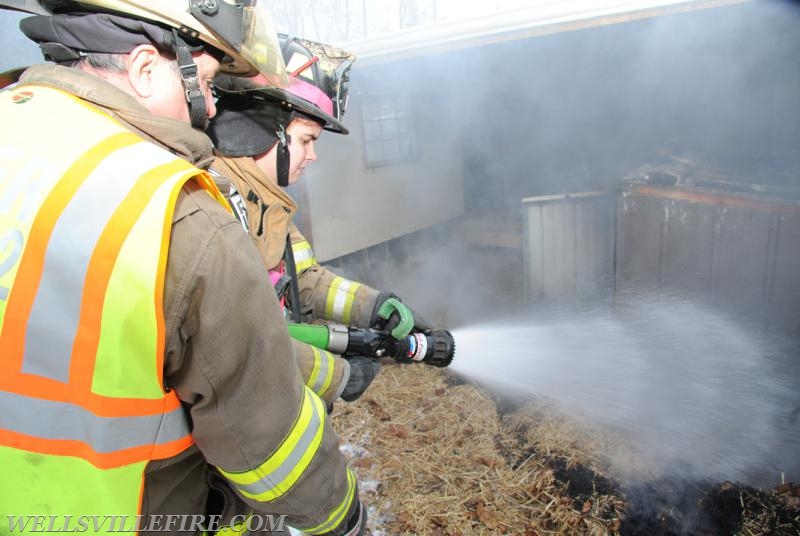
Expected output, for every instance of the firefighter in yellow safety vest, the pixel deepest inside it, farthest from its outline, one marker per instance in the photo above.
(264, 140)
(139, 339)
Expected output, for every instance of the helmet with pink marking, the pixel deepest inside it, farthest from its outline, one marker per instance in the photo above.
(250, 122)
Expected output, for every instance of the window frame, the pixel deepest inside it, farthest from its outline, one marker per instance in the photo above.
(396, 127)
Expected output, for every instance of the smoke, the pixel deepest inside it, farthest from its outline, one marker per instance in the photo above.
(692, 392)
(575, 111)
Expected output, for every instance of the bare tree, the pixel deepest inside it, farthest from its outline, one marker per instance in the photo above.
(289, 15)
(343, 20)
(415, 12)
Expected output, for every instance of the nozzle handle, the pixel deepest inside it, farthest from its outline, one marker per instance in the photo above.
(406, 324)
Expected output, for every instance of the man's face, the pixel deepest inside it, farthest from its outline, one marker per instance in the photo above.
(169, 97)
(303, 133)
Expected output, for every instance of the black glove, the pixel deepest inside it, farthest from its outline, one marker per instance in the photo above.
(362, 371)
(357, 524)
(222, 501)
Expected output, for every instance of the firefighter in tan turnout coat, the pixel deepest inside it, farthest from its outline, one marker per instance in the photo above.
(264, 140)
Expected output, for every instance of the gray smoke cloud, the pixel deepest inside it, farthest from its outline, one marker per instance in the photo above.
(576, 111)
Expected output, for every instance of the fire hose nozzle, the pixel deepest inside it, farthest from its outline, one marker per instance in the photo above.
(434, 348)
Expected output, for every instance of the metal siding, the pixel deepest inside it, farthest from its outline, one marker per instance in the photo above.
(638, 252)
(689, 238)
(558, 253)
(738, 253)
(741, 261)
(784, 289)
(533, 251)
(568, 246)
(595, 241)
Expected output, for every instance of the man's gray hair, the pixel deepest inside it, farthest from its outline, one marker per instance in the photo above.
(115, 63)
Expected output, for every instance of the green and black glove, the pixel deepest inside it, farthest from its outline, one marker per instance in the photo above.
(391, 314)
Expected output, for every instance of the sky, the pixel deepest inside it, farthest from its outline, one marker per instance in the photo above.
(18, 51)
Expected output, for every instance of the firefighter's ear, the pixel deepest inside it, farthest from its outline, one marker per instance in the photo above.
(145, 65)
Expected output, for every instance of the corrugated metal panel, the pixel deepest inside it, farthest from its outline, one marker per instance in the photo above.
(638, 242)
(737, 252)
(568, 246)
(784, 287)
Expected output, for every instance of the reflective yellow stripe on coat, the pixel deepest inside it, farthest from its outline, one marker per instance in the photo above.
(322, 372)
(87, 210)
(282, 469)
(303, 256)
(340, 299)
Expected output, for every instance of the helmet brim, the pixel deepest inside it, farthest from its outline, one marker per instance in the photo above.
(292, 103)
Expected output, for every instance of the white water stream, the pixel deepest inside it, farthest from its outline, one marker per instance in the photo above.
(697, 394)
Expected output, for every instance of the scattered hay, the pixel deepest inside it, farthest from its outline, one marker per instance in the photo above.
(437, 459)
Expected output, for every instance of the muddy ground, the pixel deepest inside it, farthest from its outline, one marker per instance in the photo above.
(436, 456)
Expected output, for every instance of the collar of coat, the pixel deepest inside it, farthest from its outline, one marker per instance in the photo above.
(269, 208)
(176, 136)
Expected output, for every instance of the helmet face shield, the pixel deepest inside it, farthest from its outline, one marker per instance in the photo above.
(318, 82)
(247, 27)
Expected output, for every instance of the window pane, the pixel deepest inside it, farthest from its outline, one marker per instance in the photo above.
(405, 147)
(386, 110)
(372, 130)
(370, 109)
(388, 129)
(374, 153)
(403, 127)
(391, 150)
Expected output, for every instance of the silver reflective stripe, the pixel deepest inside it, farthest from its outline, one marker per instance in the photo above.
(341, 299)
(303, 256)
(56, 308)
(61, 420)
(269, 481)
(323, 358)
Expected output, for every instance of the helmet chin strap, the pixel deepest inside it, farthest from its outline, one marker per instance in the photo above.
(282, 158)
(191, 84)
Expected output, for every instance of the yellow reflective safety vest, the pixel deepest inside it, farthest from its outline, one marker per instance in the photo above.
(85, 218)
